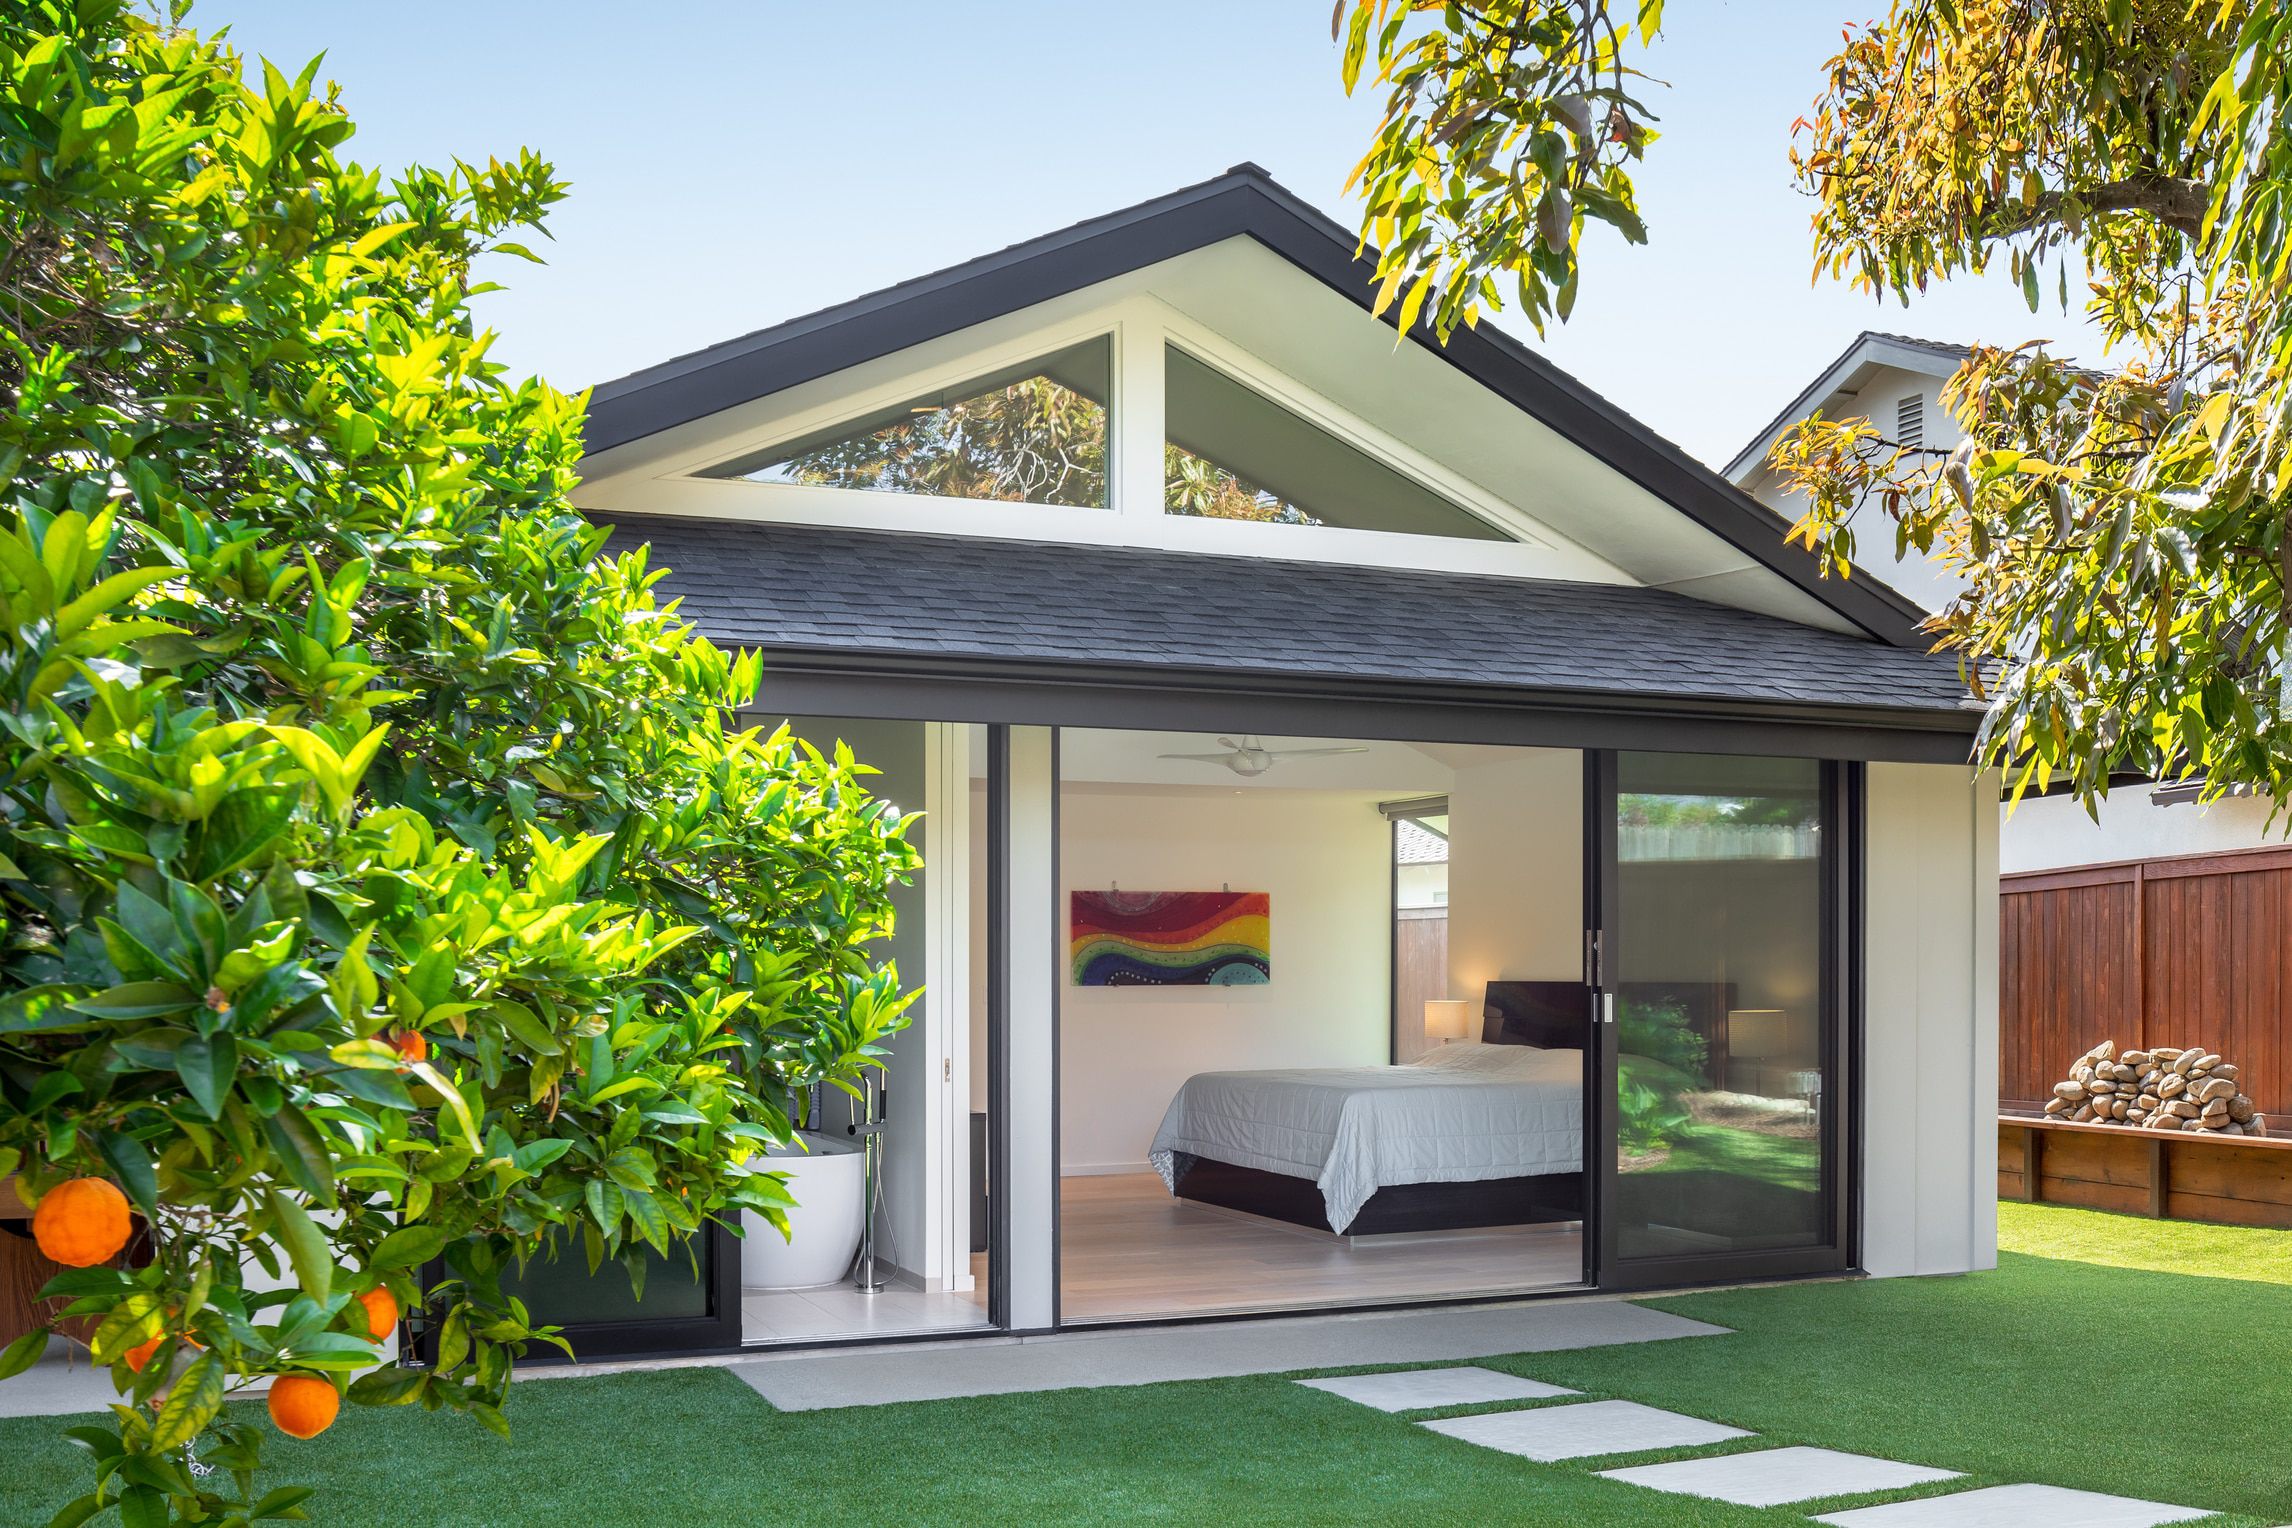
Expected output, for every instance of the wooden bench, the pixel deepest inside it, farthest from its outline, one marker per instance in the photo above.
(2238, 1180)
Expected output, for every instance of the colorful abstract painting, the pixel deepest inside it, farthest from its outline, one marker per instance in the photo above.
(1170, 938)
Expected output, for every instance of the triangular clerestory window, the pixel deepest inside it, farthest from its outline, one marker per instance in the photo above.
(1030, 434)
(1231, 453)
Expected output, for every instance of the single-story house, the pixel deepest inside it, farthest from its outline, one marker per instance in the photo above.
(1227, 637)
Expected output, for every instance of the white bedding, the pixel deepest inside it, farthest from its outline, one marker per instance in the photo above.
(1464, 1113)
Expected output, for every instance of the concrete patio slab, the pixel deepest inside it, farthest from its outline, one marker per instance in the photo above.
(1578, 1432)
(2017, 1507)
(1770, 1477)
(1423, 1389)
(880, 1376)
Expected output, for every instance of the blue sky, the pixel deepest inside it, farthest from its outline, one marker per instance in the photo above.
(734, 164)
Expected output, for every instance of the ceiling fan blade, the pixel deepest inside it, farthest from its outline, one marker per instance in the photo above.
(1230, 743)
(1199, 758)
(1310, 753)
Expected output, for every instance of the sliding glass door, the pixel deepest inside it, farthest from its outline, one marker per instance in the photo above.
(1718, 905)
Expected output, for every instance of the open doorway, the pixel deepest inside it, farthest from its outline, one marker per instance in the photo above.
(882, 1235)
(1249, 1119)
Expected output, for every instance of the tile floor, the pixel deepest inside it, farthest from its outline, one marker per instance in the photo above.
(802, 1315)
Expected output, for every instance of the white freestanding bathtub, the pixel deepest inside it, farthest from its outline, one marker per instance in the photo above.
(829, 1184)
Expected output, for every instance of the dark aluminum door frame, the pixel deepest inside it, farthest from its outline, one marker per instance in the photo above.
(1840, 941)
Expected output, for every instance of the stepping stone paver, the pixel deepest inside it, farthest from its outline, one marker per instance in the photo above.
(2017, 1507)
(1420, 1389)
(1769, 1477)
(1582, 1430)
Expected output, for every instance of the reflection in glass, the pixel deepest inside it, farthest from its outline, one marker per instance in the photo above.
(1234, 454)
(1719, 1004)
(1034, 434)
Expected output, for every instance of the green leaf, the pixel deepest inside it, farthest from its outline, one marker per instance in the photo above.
(143, 1507)
(283, 1501)
(132, 1164)
(645, 1213)
(305, 1244)
(191, 1404)
(408, 1247)
(208, 1065)
(138, 1000)
(391, 1385)
(302, 1153)
(605, 1204)
(24, 1352)
(79, 1511)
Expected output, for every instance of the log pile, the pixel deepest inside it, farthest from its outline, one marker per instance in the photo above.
(2163, 1088)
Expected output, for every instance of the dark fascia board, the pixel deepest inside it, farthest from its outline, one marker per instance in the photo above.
(1869, 348)
(915, 687)
(1244, 202)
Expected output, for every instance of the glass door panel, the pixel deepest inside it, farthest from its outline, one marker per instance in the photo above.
(1718, 1050)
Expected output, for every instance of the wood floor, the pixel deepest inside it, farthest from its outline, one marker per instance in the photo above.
(1130, 1249)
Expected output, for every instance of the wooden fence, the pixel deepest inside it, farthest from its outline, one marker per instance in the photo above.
(2188, 951)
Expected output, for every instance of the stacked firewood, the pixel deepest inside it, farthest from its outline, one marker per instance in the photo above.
(2162, 1088)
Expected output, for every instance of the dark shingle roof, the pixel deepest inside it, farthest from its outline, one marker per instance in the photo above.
(926, 598)
(1244, 202)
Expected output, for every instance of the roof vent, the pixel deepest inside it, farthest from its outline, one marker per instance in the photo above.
(1910, 421)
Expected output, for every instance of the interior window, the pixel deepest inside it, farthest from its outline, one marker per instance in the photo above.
(1233, 454)
(1032, 434)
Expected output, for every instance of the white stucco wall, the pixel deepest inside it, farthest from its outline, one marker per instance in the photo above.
(2053, 832)
(1325, 858)
(1930, 1021)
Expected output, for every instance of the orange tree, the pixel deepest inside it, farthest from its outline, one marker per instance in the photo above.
(379, 880)
(2124, 531)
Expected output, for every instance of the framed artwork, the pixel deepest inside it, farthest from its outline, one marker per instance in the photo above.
(1170, 938)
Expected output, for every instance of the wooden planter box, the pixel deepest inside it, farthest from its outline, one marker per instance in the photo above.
(2234, 1179)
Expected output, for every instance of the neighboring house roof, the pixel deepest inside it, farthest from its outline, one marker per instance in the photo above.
(1243, 202)
(1869, 351)
(1416, 844)
(961, 603)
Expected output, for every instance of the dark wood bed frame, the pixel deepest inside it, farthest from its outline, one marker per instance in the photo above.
(1556, 1015)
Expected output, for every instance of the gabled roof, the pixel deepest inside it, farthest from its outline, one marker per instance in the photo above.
(960, 604)
(1244, 202)
(1870, 350)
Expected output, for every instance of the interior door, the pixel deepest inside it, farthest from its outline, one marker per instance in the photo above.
(1715, 915)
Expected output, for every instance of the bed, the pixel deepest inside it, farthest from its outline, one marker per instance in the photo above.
(1478, 1133)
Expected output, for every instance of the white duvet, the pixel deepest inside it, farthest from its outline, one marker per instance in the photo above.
(1463, 1113)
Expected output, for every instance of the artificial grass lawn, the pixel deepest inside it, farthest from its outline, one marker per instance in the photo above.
(1993, 1374)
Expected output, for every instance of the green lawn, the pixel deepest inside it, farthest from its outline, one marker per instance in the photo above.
(1991, 1374)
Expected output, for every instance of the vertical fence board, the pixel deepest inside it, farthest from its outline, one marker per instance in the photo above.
(2188, 951)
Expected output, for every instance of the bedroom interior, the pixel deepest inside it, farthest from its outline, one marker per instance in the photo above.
(1243, 1142)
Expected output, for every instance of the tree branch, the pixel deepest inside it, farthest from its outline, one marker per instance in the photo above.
(2177, 203)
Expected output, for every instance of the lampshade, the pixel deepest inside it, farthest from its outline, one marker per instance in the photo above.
(1755, 1034)
(1447, 1018)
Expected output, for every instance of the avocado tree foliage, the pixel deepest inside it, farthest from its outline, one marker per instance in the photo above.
(2124, 531)
(379, 879)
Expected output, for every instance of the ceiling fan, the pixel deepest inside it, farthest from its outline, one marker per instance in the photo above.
(1250, 758)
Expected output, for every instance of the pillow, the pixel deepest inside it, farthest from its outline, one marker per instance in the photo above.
(1474, 1056)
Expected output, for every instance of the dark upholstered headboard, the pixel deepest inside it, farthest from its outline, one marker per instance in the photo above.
(1552, 1015)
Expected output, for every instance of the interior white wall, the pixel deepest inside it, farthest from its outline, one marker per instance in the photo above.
(2053, 832)
(1930, 1021)
(1515, 871)
(1325, 858)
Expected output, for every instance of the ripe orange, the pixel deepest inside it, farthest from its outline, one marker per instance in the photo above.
(302, 1406)
(411, 1045)
(81, 1222)
(140, 1354)
(381, 1311)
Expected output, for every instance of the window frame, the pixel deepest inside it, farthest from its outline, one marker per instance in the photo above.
(667, 480)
